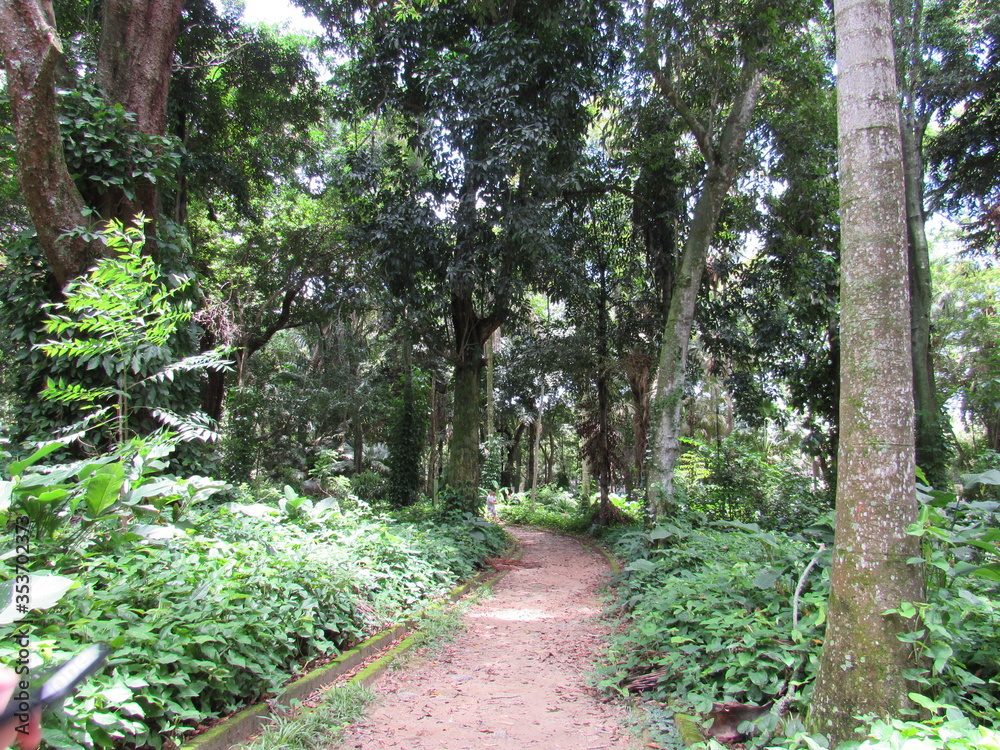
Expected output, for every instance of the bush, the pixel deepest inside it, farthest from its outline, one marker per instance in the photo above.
(734, 482)
(714, 616)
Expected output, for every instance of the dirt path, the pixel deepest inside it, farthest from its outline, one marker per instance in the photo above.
(515, 678)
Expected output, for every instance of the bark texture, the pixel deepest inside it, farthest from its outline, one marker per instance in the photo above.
(932, 452)
(134, 69)
(863, 662)
(32, 54)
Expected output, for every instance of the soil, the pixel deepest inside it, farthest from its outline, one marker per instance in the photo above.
(516, 676)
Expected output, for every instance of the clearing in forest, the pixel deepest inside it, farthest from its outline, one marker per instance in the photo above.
(516, 677)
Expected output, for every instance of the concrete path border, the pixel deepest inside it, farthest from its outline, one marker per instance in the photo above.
(391, 643)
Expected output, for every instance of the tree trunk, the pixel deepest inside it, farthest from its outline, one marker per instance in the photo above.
(669, 387)
(637, 366)
(863, 661)
(509, 475)
(432, 431)
(32, 55)
(932, 453)
(722, 160)
(489, 386)
(463, 466)
(133, 69)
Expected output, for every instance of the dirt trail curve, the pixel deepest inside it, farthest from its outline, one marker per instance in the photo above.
(516, 677)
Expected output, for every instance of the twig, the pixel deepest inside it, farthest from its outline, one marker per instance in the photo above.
(801, 584)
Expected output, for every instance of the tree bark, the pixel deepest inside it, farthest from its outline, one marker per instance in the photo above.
(490, 428)
(863, 661)
(463, 467)
(32, 54)
(722, 159)
(134, 69)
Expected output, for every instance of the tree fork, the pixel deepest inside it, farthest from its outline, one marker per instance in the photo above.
(32, 54)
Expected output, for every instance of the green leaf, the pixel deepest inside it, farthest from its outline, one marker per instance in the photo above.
(766, 579)
(103, 488)
(43, 592)
(19, 466)
(642, 566)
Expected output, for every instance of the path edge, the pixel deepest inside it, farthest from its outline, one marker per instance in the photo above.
(392, 643)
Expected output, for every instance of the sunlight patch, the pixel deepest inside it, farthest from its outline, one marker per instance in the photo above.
(520, 615)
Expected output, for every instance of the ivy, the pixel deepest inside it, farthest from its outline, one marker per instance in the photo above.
(104, 150)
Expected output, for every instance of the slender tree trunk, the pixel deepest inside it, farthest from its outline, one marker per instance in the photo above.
(32, 55)
(637, 369)
(669, 389)
(863, 664)
(722, 160)
(536, 451)
(932, 453)
(489, 385)
(432, 431)
(509, 476)
(550, 458)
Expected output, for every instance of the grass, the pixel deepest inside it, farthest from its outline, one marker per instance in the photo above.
(318, 727)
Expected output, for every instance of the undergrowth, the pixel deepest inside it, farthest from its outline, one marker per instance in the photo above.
(320, 726)
(727, 612)
(208, 614)
(555, 509)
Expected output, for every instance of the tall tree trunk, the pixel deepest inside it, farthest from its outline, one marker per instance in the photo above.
(508, 477)
(432, 431)
(863, 664)
(134, 69)
(32, 55)
(932, 452)
(489, 385)
(722, 160)
(536, 447)
(637, 367)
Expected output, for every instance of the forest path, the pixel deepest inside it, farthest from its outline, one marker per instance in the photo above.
(515, 677)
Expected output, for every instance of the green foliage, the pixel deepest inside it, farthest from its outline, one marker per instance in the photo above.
(459, 502)
(71, 504)
(241, 451)
(961, 617)
(721, 614)
(949, 728)
(492, 466)
(121, 320)
(732, 481)
(553, 509)
(732, 612)
(104, 150)
(967, 327)
(207, 616)
(319, 726)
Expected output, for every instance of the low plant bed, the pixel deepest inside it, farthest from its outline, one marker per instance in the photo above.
(207, 616)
